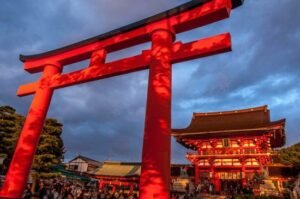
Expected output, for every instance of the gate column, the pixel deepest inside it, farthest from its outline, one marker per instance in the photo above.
(155, 173)
(196, 174)
(17, 175)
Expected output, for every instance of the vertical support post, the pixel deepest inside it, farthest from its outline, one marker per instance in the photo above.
(114, 188)
(196, 175)
(98, 57)
(16, 177)
(212, 173)
(217, 183)
(244, 181)
(100, 185)
(261, 167)
(156, 155)
(131, 189)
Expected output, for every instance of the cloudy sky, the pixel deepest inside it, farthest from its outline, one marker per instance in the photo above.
(104, 119)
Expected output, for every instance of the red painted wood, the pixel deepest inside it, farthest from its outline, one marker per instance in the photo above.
(180, 52)
(131, 189)
(237, 152)
(196, 175)
(16, 177)
(210, 12)
(156, 167)
(155, 177)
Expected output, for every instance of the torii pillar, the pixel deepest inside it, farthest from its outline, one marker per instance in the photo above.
(155, 173)
(16, 177)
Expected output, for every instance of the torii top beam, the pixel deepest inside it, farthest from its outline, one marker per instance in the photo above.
(182, 18)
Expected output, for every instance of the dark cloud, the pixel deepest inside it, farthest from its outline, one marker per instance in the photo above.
(105, 119)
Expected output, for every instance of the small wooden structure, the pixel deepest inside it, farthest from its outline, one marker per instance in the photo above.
(83, 164)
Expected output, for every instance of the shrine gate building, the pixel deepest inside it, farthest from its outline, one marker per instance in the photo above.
(231, 146)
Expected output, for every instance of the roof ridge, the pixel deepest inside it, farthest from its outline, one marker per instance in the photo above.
(87, 158)
(121, 163)
(258, 108)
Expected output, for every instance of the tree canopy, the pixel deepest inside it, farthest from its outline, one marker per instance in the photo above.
(290, 155)
(50, 150)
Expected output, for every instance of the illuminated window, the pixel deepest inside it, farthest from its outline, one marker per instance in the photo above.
(234, 144)
(203, 163)
(249, 143)
(229, 175)
(206, 145)
(251, 162)
(236, 162)
(219, 144)
(227, 162)
(217, 162)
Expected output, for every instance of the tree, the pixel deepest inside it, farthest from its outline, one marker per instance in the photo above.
(10, 126)
(290, 155)
(7, 128)
(50, 149)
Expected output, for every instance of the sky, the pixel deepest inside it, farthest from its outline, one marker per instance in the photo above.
(104, 120)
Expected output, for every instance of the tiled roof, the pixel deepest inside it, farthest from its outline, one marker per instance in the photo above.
(251, 118)
(232, 123)
(119, 169)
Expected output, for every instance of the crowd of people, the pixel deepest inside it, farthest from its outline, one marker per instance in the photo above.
(60, 188)
(65, 189)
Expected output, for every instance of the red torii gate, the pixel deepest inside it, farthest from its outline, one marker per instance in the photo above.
(161, 30)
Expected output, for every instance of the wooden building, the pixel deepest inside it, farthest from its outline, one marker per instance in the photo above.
(231, 146)
(83, 164)
(118, 175)
(125, 176)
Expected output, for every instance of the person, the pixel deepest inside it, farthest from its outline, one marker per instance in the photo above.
(121, 195)
(55, 193)
(78, 192)
(183, 171)
(174, 196)
(186, 196)
(210, 188)
(198, 189)
(68, 193)
(187, 188)
(42, 191)
(102, 194)
(28, 192)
